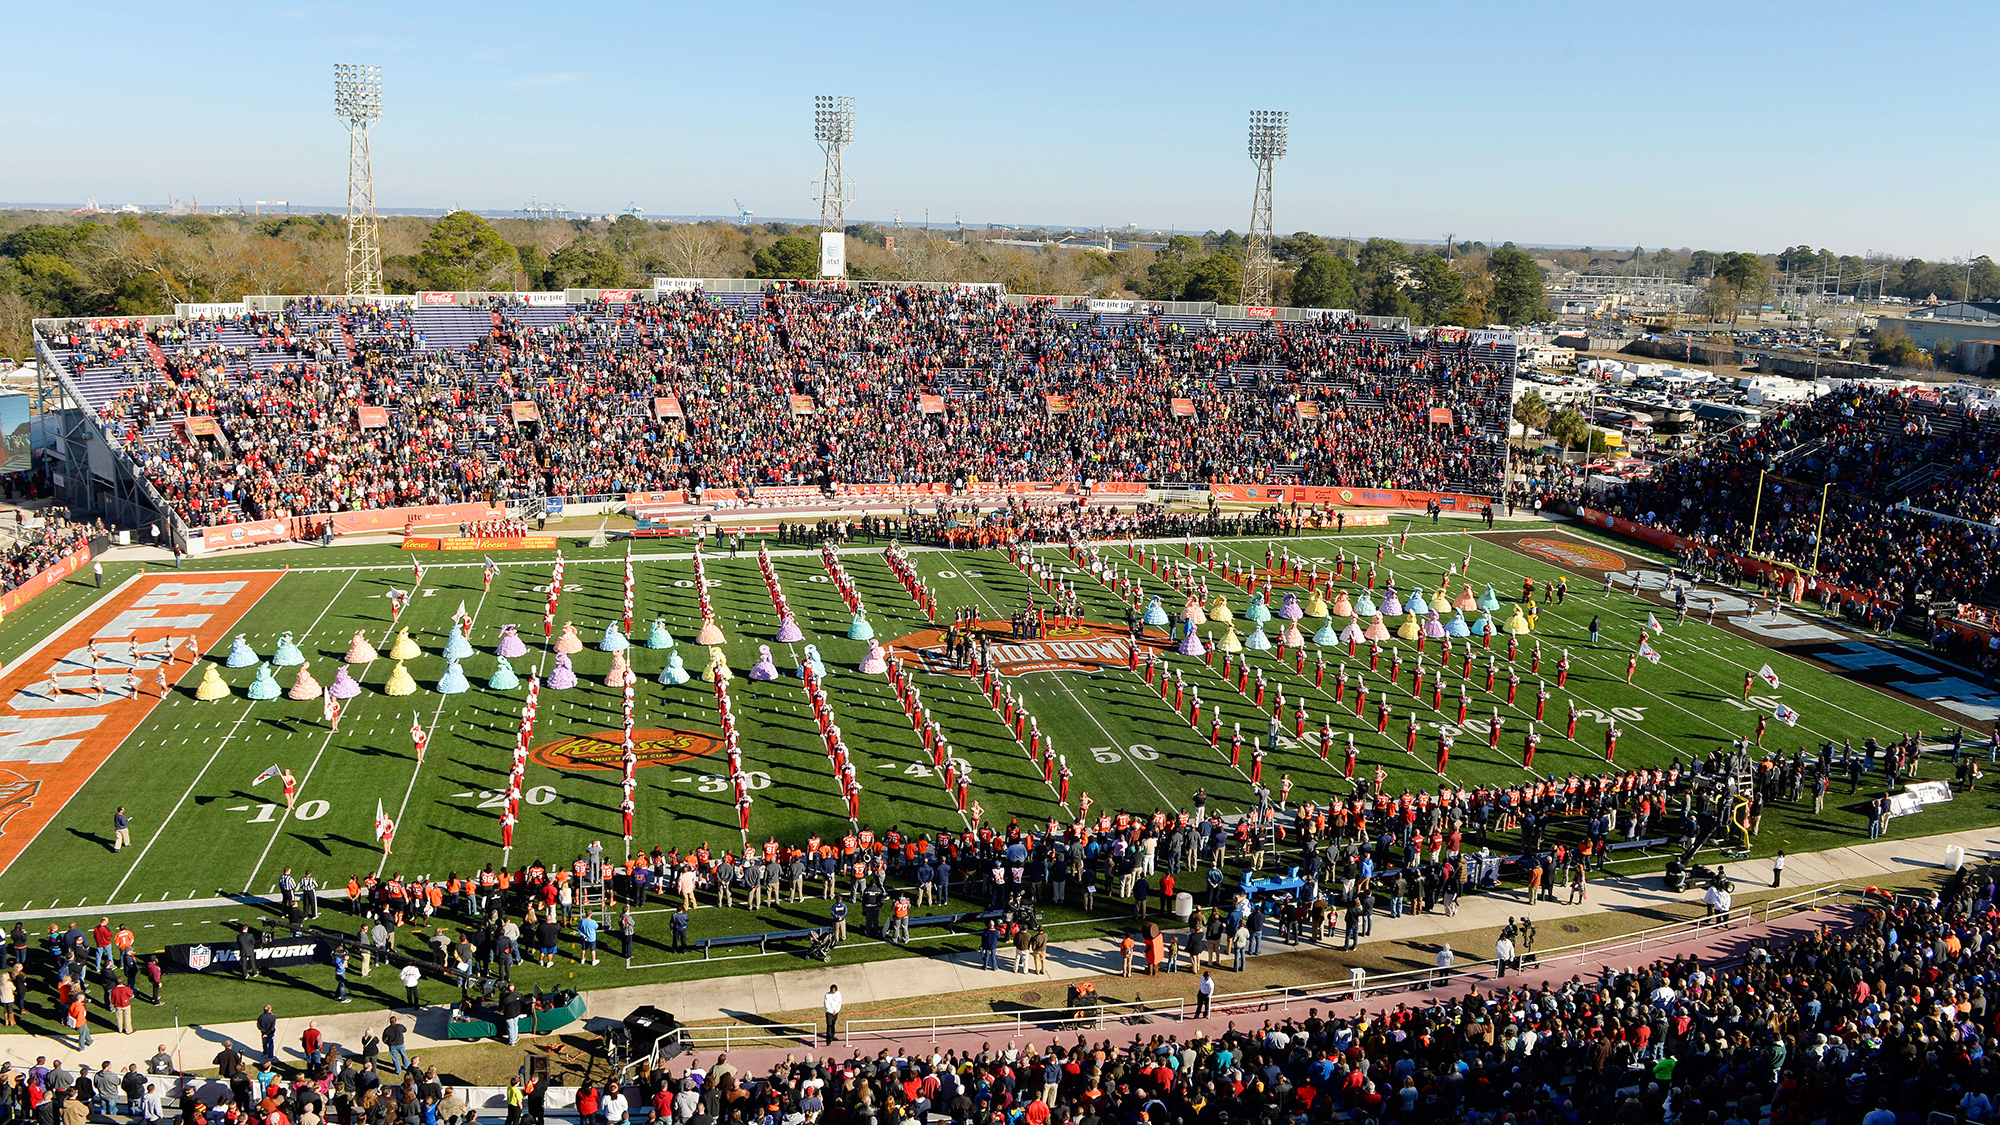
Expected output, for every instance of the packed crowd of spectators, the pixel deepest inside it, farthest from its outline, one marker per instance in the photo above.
(28, 550)
(1879, 449)
(1878, 1024)
(1881, 1019)
(905, 385)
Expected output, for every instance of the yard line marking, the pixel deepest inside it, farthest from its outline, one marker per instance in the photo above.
(1392, 692)
(436, 718)
(161, 830)
(1764, 652)
(328, 741)
(1692, 645)
(1144, 775)
(1578, 746)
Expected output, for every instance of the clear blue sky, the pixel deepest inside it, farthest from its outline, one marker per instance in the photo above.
(1723, 126)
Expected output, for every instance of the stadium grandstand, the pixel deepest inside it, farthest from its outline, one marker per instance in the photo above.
(316, 405)
(1911, 483)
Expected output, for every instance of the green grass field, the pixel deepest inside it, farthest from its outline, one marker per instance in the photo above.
(200, 826)
(201, 829)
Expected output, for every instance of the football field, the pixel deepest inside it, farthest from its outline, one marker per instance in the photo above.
(183, 767)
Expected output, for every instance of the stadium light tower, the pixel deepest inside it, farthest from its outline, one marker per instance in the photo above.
(357, 99)
(1268, 129)
(833, 128)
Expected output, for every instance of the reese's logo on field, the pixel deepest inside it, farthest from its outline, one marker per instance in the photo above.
(605, 750)
(1582, 556)
(1063, 648)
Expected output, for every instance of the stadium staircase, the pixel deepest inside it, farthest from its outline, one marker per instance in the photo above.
(347, 338)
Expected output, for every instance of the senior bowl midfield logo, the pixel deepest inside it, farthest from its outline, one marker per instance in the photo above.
(1087, 647)
(605, 750)
(1582, 556)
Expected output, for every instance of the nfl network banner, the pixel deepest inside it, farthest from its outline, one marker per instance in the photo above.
(832, 254)
(676, 285)
(200, 957)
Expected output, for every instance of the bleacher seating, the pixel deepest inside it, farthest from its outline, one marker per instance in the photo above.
(284, 388)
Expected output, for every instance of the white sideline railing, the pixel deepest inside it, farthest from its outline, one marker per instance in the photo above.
(739, 1034)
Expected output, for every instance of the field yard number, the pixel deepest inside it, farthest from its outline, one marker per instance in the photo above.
(716, 783)
(1138, 752)
(1755, 704)
(688, 583)
(918, 769)
(1603, 718)
(307, 810)
(539, 795)
(947, 574)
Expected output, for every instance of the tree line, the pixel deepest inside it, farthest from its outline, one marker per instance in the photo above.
(54, 264)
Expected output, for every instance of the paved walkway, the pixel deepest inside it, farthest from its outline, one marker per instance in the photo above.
(752, 996)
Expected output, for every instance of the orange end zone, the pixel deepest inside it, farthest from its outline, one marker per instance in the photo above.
(60, 719)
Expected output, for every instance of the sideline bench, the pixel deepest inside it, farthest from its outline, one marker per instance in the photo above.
(763, 940)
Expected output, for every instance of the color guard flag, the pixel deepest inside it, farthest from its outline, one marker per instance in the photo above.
(330, 707)
(417, 736)
(1649, 652)
(1767, 675)
(416, 573)
(385, 828)
(1653, 623)
(266, 775)
(492, 572)
(1786, 715)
